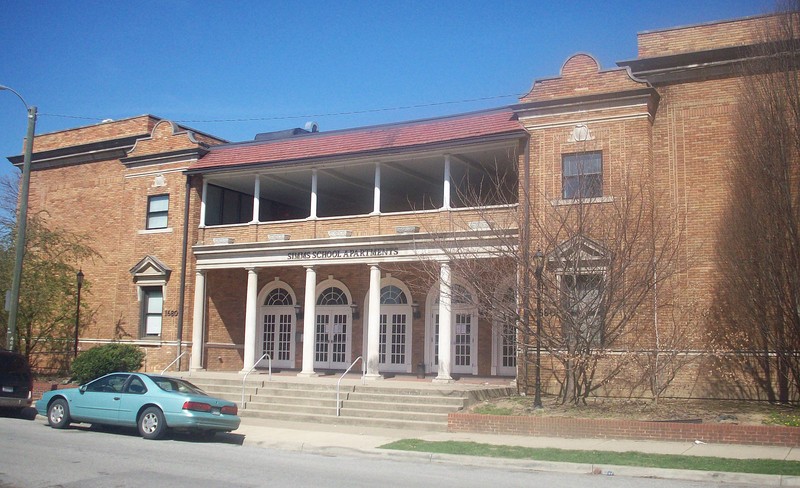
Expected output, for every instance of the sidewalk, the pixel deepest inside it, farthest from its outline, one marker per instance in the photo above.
(346, 439)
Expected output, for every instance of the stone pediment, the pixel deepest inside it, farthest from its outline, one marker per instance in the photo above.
(150, 269)
(579, 249)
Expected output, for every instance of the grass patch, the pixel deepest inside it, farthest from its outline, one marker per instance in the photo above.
(782, 418)
(491, 409)
(630, 458)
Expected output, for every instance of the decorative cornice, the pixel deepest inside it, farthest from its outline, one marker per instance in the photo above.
(82, 153)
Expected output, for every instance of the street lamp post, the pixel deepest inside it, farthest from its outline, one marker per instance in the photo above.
(78, 311)
(538, 260)
(22, 223)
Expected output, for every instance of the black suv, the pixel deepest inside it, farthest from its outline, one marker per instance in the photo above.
(16, 381)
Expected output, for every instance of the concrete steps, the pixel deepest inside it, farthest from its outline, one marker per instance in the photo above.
(379, 404)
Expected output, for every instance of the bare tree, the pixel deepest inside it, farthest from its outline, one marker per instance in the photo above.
(756, 321)
(9, 186)
(604, 259)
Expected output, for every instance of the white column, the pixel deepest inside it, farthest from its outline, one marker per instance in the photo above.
(250, 320)
(445, 324)
(309, 322)
(373, 323)
(256, 200)
(198, 320)
(313, 194)
(376, 206)
(446, 196)
(203, 204)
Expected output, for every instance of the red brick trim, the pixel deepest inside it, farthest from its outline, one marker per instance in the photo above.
(623, 429)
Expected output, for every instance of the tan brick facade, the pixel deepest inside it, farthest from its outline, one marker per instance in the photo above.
(669, 134)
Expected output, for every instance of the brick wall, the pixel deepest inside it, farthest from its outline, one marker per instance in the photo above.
(625, 429)
(738, 32)
(40, 387)
(95, 133)
(107, 202)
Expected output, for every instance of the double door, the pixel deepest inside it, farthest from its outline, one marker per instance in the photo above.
(276, 336)
(463, 348)
(332, 337)
(394, 353)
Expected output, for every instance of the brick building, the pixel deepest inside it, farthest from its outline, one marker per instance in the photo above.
(318, 247)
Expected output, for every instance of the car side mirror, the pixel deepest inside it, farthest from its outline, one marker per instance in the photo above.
(82, 389)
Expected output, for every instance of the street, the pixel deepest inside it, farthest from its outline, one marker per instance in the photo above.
(34, 455)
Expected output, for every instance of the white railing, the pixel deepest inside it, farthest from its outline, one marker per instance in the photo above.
(338, 383)
(173, 362)
(266, 355)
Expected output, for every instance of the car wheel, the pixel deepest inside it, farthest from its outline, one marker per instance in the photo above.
(152, 424)
(58, 414)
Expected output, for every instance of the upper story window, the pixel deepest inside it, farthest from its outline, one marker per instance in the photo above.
(582, 175)
(157, 211)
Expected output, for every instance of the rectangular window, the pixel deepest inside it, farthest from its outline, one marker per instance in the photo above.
(157, 210)
(152, 310)
(583, 322)
(582, 175)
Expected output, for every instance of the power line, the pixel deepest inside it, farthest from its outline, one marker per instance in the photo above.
(307, 116)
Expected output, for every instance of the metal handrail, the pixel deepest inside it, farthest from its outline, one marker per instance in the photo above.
(173, 362)
(266, 355)
(338, 383)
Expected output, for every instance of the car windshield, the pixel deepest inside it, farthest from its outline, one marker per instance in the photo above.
(174, 384)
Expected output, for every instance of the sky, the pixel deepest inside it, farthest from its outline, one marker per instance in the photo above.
(234, 69)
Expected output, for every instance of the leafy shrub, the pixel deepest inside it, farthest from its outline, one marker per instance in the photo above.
(102, 360)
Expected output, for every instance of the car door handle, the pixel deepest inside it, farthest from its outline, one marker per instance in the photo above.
(116, 398)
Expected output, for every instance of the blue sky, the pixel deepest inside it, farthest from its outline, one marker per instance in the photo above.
(234, 69)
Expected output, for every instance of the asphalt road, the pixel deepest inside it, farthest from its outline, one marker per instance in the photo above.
(33, 455)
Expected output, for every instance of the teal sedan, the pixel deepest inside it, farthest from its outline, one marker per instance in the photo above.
(152, 403)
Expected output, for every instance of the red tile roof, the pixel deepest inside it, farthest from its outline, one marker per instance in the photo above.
(362, 140)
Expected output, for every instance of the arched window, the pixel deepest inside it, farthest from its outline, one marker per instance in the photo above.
(392, 295)
(278, 296)
(332, 296)
(461, 296)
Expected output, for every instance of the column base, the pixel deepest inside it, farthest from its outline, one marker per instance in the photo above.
(196, 369)
(312, 374)
(372, 377)
(443, 379)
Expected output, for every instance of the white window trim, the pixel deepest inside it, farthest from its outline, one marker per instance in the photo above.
(142, 332)
(574, 201)
(165, 230)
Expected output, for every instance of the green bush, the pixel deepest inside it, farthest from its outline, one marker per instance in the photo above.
(102, 360)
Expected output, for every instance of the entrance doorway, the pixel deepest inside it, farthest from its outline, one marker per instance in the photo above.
(275, 335)
(464, 331)
(332, 332)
